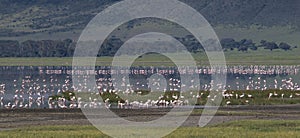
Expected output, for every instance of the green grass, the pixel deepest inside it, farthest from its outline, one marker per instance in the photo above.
(59, 131)
(235, 129)
(259, 57)
(247, 128)
(263, 57)
(288, 34)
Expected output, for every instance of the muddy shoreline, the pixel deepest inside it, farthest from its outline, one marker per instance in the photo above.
(10, 119)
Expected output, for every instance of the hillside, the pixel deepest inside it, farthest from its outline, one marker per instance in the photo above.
(249, 12)
(56, 19)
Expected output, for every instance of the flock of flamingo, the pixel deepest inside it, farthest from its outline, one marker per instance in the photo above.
(35, 91)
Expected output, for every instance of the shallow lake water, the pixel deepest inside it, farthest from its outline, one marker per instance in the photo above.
(38, 83)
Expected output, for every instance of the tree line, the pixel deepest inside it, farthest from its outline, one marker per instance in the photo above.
(43, 48)
(247, 44)
(65, 48)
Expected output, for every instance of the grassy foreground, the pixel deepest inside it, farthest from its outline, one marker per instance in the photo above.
(235, 129)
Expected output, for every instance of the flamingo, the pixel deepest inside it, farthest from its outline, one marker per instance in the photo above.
(270, 95)
(242, 96)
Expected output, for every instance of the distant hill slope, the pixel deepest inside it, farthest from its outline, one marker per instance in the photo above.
(247, 12)
(27, 17)
(19, 17)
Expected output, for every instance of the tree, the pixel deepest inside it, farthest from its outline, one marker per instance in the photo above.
(263, 43)
(270, 45)
(243, 48)
(9, 48)
(247, 43)
(229, 43)
(30, 48)
(253, 47)
(284, 46)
